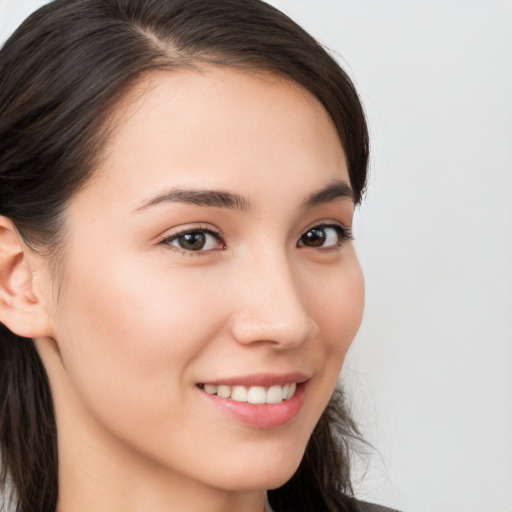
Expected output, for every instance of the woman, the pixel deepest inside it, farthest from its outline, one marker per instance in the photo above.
(178, 283)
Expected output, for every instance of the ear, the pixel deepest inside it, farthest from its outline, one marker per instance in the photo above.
(22, 304)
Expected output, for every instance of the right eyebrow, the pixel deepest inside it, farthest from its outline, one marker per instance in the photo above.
(339, 189)
(199, 197)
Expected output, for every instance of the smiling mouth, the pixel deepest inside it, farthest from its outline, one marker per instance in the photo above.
(253, 394)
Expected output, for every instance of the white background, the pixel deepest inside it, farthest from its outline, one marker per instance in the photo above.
(430, 373)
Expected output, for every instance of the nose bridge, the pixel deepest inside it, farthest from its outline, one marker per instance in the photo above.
(270, 307)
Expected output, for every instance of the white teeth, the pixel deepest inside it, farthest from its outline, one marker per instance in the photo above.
(291, 390)
(275, 395)
(254, 394)
(224, 391)
(211, 389)
(239, 394)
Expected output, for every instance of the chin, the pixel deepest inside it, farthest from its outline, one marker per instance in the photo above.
(272, 479)
(270, 473)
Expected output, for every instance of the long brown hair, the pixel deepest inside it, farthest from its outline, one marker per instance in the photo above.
(63, 72)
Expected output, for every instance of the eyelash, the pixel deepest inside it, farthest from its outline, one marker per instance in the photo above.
(189, 231)
(344, 234)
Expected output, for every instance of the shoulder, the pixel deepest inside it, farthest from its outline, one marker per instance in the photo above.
(372, 507)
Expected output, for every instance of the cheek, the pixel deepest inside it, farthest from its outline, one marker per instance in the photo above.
(339, 305)
(336, 302)
(133, 339)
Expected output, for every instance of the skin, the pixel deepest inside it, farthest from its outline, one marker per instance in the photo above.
(137, 322)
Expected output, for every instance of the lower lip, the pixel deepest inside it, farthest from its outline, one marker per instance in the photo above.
(263, 416)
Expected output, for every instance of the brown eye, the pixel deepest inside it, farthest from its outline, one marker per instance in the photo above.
(323, 236)
(313, 238)
(198, 240)
(192, 241)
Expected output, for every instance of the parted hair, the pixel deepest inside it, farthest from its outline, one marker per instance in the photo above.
(63, 72)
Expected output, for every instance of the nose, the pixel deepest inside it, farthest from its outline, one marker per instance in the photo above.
(270, 306)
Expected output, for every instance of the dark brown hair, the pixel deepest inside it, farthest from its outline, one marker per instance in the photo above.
(63, 72)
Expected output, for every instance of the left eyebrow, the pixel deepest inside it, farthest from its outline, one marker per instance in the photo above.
(336, 190)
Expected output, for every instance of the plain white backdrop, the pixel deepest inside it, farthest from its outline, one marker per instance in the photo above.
(430, 373)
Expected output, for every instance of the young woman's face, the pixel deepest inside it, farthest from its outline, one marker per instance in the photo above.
(210, 253)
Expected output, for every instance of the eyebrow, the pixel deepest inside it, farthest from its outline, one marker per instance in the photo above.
(222, 199)
(336, 190)
(201, 197)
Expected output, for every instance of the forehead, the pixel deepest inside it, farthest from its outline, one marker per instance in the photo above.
(219, 127)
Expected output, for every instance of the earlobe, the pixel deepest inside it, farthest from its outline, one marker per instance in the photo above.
(21, 306)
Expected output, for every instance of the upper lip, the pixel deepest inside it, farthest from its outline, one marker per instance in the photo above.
(261, 379)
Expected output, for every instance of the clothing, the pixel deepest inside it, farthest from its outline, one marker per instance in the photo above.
(372, 507)
(363, 505)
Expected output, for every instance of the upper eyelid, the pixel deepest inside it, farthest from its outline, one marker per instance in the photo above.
(169, 234)
(328, 223)
(347, 231)
(346, 236)
(167, 240)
